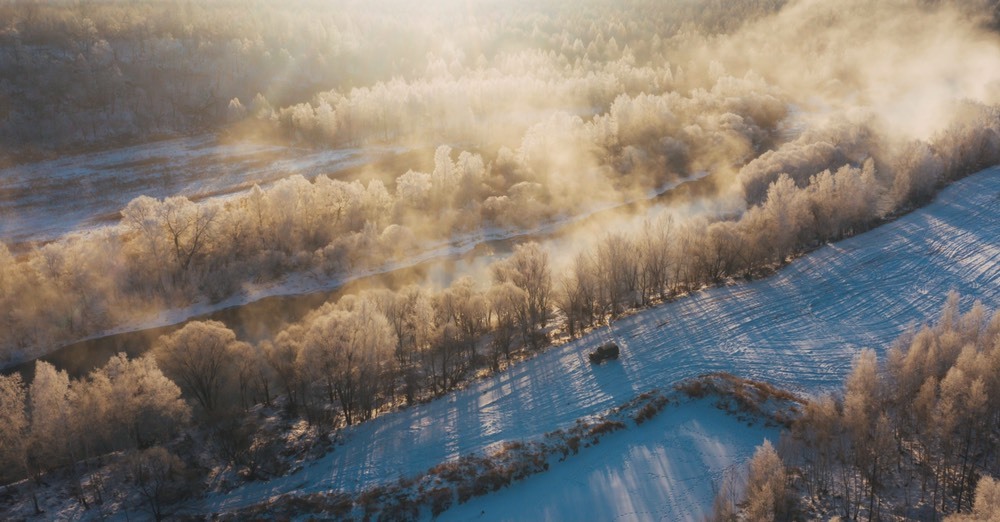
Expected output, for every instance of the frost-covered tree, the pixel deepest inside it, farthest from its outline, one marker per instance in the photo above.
(143, 406)
(346, 350)
(235, 111)
(923, 420)
(767, 484)
(410, 312)
(157, 476)
(175, 228)
(14, 434)
(506, 301)
(463, 304)
(528, 269)
(987, 505)
(201, 359)
(52, 433)
(786, 216)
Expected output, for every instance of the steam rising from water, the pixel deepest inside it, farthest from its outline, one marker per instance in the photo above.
(906, 62)
(547, 113)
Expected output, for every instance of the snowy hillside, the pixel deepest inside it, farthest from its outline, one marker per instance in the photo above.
(662, 470)
(799, 329)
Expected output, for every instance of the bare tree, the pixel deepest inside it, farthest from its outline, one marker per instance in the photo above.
(579, 293)
(157, 476)
(14, 433)
(281, 356)
(143, 406)
(618, 266)
(654, 255)
(767, 485)
(410, 313)
(346, 350)
(468, 308)
(201, 358)
(528, 269)
(443, 358)
(725, 506)
(506, 300)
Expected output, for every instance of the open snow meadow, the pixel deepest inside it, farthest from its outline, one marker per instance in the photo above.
(800, 329)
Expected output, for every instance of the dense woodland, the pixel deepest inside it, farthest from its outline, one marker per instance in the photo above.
(660, 118)
(173, 252)
(913, 436)
(96, 72)
(535, 114)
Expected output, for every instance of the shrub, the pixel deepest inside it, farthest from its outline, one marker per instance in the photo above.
(402, 509)
(440, 500)
(465, 492)
(647, 412)
(492, 480)
(573, 443)
(605, 427)
(695, 389)
(371, 499)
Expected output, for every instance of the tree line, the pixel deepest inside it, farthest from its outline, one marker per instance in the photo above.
(173, 252)
(60, 423)
(350, 360)
(648, 111)
(97, 73)
(912, 436)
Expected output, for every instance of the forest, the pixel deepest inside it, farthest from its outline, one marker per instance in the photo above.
(511, 117)
(639, 119)
(912, 435)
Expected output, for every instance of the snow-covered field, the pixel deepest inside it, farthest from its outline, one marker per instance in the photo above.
(799, 329)
(45, 200)
(635, 474)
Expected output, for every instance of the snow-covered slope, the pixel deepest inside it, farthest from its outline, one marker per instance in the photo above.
(799, 329)
(641, 473)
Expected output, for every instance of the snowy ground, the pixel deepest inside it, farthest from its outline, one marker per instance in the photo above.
(799, 329)
(45, 200)
(633, 474)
